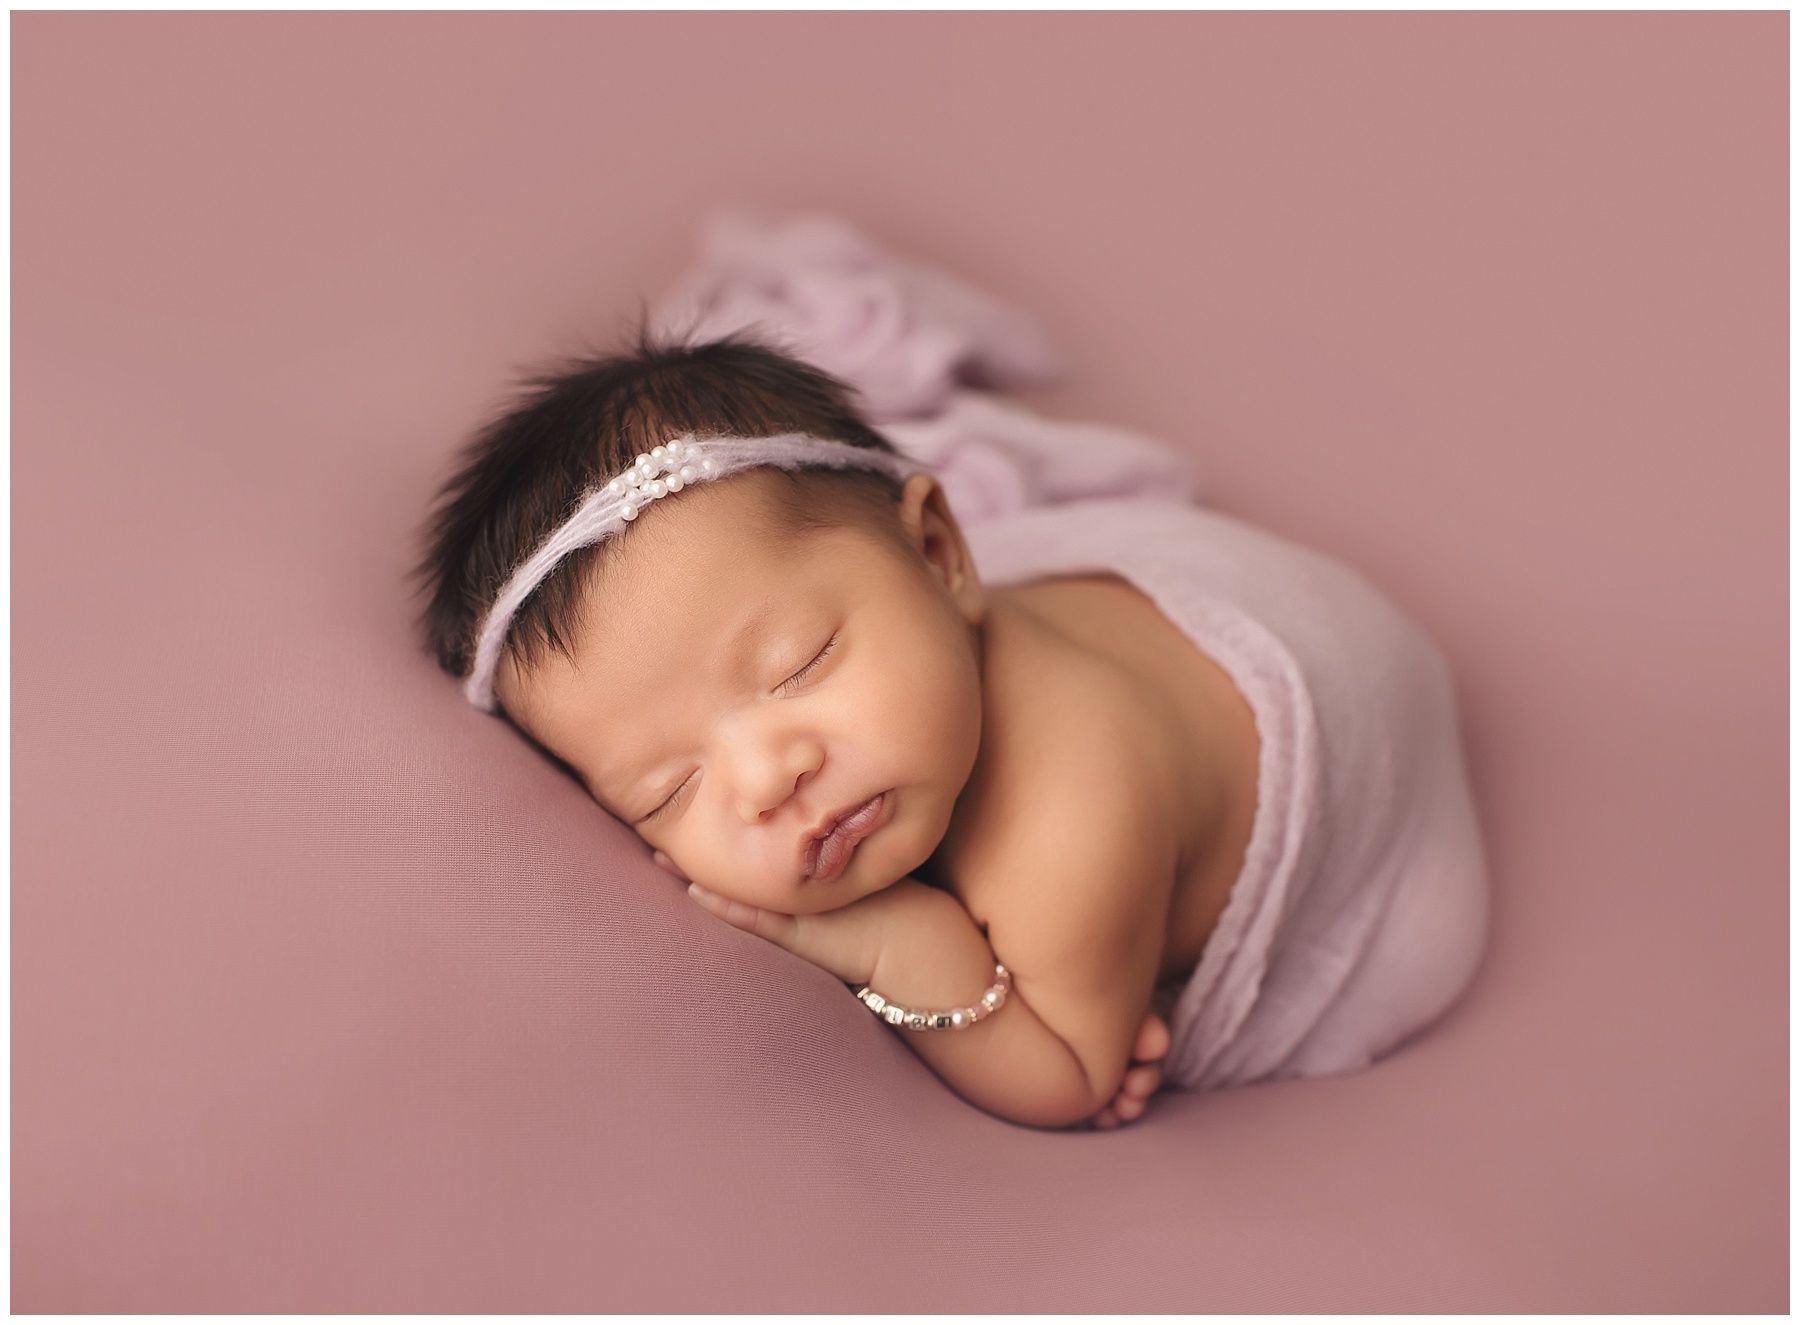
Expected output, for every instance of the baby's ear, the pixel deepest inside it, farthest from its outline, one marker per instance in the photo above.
(669, 865)
(932, 531)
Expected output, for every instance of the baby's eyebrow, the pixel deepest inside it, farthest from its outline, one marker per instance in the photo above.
(751, 632)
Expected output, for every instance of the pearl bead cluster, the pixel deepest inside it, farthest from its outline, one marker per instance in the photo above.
(660, 471)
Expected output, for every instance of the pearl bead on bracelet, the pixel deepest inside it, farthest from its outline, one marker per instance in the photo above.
(955, 1020)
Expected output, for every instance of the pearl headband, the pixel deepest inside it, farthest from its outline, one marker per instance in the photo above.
(607, 508)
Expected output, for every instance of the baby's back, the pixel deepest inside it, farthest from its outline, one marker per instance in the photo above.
(1146, 690)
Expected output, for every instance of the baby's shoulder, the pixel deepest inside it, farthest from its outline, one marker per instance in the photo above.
(1067, 743)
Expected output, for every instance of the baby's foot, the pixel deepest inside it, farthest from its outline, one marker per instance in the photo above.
(1142, 1081)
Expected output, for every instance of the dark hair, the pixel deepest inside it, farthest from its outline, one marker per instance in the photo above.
(584, 419)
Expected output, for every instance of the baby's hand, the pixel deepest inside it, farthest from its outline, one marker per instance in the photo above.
(846, 941)
(1142, 1081)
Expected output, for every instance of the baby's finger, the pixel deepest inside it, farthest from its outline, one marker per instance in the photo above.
(1105, 1119)
(771, 925)
(1129, 1107)
(845, 941)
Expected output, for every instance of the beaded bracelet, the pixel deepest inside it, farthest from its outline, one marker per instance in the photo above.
(959, 1019)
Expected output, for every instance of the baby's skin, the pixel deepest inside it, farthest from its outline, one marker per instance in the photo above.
(787, 684)
(1144, 1078)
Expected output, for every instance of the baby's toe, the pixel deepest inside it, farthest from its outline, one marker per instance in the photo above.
(1142, 1081)
(1152, 1039)
(1129, 1107)
(1105, 1119)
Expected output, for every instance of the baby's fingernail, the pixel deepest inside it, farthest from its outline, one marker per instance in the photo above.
(697, 892)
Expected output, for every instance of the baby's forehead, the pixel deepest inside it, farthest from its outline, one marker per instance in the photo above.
(692, 590)
(718, 541)
(669, 558)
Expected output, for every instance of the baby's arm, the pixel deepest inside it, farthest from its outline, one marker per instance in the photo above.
(1082, 939)
(934, 958)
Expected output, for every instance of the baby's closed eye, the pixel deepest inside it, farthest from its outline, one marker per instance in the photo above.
(797, 677)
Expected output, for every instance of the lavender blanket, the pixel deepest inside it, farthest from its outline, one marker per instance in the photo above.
(1361, 911)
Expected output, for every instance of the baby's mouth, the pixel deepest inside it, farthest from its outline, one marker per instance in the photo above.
(827, 856)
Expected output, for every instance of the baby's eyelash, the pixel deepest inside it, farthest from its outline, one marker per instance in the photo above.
(673, 796)
(789, 684)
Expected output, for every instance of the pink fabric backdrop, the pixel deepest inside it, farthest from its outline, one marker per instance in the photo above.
(330, 995)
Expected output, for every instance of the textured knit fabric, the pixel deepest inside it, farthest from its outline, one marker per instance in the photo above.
(1361, 910)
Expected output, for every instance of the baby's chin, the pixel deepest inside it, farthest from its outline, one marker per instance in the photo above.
(834, 898)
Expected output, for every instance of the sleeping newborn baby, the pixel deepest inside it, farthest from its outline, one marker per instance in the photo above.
(1022, 819)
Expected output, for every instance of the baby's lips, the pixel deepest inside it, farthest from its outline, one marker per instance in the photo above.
(663, 860)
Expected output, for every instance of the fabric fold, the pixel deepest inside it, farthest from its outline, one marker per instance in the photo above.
(925, 353)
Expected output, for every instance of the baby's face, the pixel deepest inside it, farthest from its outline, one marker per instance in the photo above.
(728, 696)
